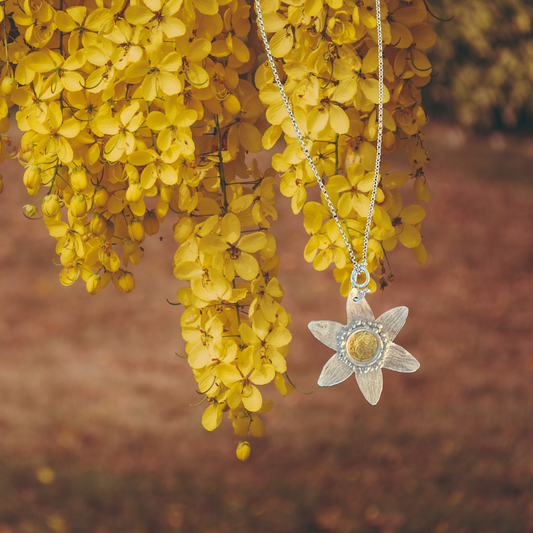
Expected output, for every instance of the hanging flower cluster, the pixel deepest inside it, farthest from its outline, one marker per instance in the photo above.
(328, 53)
(138, 110)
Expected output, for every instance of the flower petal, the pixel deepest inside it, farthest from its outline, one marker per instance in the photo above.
(393, 321)
(228, 374)
(400, 360)
(246, 266)
(371, 385)
(326, 332)
(212, 417)
(251, 398)
(334, 372)
(355, 310)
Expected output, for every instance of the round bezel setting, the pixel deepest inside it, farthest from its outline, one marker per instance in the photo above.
(343, 349)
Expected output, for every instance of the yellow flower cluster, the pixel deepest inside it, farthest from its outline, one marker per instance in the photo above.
(136, 109)
(328, 53)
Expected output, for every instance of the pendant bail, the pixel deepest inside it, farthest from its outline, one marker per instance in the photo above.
(360, 288)
(359, 269)
(360, 295)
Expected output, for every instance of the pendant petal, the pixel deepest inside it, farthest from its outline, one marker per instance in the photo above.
(355, 310)
(334, 372)
(393, 321)
(371, 385)
(400, 360)
(326, 332)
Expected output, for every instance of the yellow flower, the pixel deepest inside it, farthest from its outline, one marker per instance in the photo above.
(101, 79)
(233, 249)
(261, 200)
(156, 167)
(68, 238)
(327, 247)
(242, 387)
(354, 191)
(207, 283)
(128, 41)
(52, 135)
(192, 57)
(121, 127)
(37, 17)
(157, 15)
(157, 73)
(266, 343)
(173, 126)
(204, 341)
(265, 294)
(108, 258)
(76, 22)
(405, 225)
(340, 28)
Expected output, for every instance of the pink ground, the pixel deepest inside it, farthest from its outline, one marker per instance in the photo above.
(90, 386)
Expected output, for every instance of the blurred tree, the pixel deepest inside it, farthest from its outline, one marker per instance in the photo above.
(484, 61)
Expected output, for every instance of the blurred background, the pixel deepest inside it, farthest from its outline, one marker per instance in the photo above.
(97, 431)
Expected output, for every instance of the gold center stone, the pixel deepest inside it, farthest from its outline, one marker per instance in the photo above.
(362, 346)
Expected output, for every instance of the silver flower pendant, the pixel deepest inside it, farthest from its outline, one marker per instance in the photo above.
(364, 346)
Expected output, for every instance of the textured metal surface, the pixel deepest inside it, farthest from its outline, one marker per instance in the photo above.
(393, 321)
(400, 360)
(358, 266)
(357, 309)
(371, 385)
(352, 358)
(334, 372)
(326, 332)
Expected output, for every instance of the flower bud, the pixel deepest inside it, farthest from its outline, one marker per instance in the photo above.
(9, 84)
(30, 210)
(93, 284)
(32, 177)
(78, 206)
(109, 231)
(243, 451)
(126, 282)
(150, 223)
(98, 224)
(61, 180)
(101, 197)
(134, 193)
(136, 231)
(36, 191)
(51, 205)
(130, 247)
(78, 180)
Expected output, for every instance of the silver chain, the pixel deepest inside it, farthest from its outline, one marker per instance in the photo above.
(359, 267)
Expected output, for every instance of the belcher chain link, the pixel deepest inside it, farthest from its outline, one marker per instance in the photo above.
(360, 268)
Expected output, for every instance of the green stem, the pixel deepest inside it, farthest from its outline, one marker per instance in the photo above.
(296, 388)
(221, 165)
(5, 41)
(336, 153)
